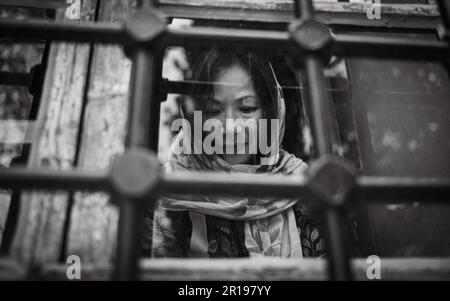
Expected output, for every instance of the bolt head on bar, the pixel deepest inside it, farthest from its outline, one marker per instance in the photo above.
(136, 174)
(311, 37)
(144, 28)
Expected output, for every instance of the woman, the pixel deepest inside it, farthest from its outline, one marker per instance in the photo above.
(188, 226)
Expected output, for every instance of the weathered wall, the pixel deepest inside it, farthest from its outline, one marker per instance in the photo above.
(42, 215)
(15, 101)
(93, 224)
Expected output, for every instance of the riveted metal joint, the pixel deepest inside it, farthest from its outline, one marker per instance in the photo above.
(146, 29)
(332, 180)
(135, 175)
(311, 37)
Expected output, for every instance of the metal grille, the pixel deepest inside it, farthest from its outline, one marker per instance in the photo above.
(136, 181)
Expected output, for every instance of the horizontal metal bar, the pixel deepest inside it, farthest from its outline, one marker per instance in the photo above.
(411, 16)
(237, 269)
(344, 45)
(403, 189)
(114, 33)
(51, 4)
(183, 87)
(58, 31)
(379, 189)
(351, 45)
(231, 38)
(15, 79)
(226, 184)
(41, 179)
(187, 86)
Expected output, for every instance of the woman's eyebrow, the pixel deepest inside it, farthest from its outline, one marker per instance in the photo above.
(251, 98)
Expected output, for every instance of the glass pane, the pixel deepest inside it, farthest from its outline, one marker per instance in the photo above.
(401, 113)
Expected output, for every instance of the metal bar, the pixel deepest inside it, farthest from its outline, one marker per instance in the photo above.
(50, 4)
(223, 184)
(229, 38)
(375, 189)
(147, 4)
(137, 136)
(59, 31)
(338, 258)
(15, 79)
(319, 109)
(126, 267)
(224, 269)
(114, 33)
(344, 45)
(141, 92)
(25, 178)
(143, 130)
(339, 266)
(444, 8)
(304, 9)
(353, 20)
(354, 45)
(155, 100)
(141, 113)
(187, 86)
(318, 102)
(279, 13)
(388, 189)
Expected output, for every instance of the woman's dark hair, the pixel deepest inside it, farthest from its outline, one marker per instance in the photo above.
(208, 64)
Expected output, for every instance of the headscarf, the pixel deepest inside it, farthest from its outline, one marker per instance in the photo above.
(269, 224)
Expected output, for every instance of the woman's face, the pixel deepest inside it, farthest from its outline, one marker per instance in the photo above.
(234, 99)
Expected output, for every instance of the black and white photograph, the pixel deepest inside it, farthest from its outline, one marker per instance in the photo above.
(224, 147)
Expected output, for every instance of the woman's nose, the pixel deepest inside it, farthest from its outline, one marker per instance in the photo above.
(232, 123)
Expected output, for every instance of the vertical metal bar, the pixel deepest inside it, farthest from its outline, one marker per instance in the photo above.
(304, 9)
(444, 7)
(139, 134)
(318, 102)
(339, 265)
(319, 109)
(128, 241)
(339, 262)
(141, 92)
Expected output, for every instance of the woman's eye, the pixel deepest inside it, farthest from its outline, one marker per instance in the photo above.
(213, 111)
(248, 110)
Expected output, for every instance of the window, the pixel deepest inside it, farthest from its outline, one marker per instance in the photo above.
(341, 128)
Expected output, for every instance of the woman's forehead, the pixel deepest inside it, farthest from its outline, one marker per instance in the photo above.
(233, 82)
